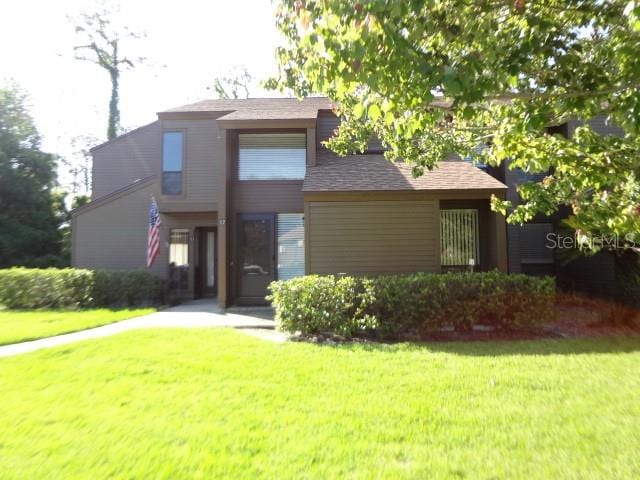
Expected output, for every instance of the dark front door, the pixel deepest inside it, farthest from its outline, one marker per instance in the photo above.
(206, 271)
(256, 257)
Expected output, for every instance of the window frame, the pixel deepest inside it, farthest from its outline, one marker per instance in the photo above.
(277, 242)
(183, 163)
(187, 232)
(274, 181)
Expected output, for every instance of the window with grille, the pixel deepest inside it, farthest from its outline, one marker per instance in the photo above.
(272, 156)
(459, 239)
(290, 245)
(179, 247)
(179, 259)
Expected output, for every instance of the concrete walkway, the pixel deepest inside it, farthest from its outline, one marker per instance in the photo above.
(195, 314)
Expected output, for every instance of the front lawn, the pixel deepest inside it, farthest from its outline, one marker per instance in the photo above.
(22, 325)
(217, 404)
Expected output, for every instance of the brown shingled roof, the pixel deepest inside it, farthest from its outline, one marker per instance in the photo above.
(375, 173)
(286, 106)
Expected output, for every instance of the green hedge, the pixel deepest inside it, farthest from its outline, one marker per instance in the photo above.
(393, 305)
(78, 288)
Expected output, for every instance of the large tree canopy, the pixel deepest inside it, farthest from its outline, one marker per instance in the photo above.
(434, 77)
(30, 210)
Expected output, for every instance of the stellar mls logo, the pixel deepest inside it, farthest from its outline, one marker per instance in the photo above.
(590, 242)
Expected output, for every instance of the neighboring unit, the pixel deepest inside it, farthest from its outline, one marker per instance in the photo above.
(247, 194)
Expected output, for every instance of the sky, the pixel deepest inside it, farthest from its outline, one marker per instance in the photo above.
(188, 44)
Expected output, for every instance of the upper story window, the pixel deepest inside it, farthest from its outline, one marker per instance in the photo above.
(272, 156)
(172, 159)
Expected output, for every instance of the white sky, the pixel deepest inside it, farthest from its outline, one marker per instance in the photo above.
(188, 44)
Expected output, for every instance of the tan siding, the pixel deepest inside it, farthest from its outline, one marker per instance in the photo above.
(114, 234)
(373, 237)
(204, 154)
(266, 196)
(126, 159)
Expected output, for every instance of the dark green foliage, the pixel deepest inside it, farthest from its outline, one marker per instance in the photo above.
(393, 305)
(31, 212)
(78, 288)
(126, 288)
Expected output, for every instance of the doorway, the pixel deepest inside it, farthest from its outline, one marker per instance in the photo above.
(206, 281)
(256, 257)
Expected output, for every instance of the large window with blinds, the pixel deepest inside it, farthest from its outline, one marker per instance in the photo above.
(290, 245)
(272, 156)
(459, 239)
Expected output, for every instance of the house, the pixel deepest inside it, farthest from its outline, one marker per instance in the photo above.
(248, 194)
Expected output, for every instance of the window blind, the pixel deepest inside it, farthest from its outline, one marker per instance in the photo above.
(272, 156)
(290, 245)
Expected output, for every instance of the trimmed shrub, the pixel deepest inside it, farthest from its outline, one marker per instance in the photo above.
(397, 304)
(127, 288)
(314, 304)
(78, 288)
(45, 288)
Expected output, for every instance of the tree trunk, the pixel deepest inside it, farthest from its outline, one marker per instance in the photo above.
(114, 110)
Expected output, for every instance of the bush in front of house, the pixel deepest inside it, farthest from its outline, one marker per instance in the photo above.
(78, 288)
(314, 304)
(389, 306)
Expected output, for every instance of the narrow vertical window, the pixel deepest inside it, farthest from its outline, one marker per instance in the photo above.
(290, 245)
(179, 259)
(172, 153)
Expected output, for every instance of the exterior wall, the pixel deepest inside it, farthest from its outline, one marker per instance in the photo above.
(114, 234)
(124, 160)
(202, 166)
(519, 237)
(371, 238)
(189, 221)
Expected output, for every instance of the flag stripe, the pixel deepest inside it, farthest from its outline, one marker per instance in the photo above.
(153, 240)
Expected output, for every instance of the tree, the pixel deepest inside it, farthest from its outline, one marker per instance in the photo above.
(234, 85)
(101, 45)
(431, 78)
(31, 209)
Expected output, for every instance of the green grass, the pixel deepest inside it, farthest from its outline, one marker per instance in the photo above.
(184, 404)
(22, 325)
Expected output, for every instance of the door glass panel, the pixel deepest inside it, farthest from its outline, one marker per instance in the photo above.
(256, 254)
(211, 242)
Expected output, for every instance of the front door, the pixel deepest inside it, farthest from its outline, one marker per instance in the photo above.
(256, 257)
(206, 284)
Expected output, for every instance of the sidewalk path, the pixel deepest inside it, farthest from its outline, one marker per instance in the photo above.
(195, 314)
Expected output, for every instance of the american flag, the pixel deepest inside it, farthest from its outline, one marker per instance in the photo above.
(153, 243)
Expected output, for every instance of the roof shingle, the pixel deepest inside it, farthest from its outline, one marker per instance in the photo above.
(375, 173)
(279, 106)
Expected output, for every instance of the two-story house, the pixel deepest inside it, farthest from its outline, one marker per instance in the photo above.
(248, 194)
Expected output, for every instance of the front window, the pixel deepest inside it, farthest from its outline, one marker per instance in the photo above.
(459, 239)
(179, 259)
(290, 245)
(272, 156)
(172, 159)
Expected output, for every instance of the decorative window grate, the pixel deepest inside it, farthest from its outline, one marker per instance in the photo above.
(459, 238)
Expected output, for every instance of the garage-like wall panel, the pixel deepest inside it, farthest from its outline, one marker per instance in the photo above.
(372, 238)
